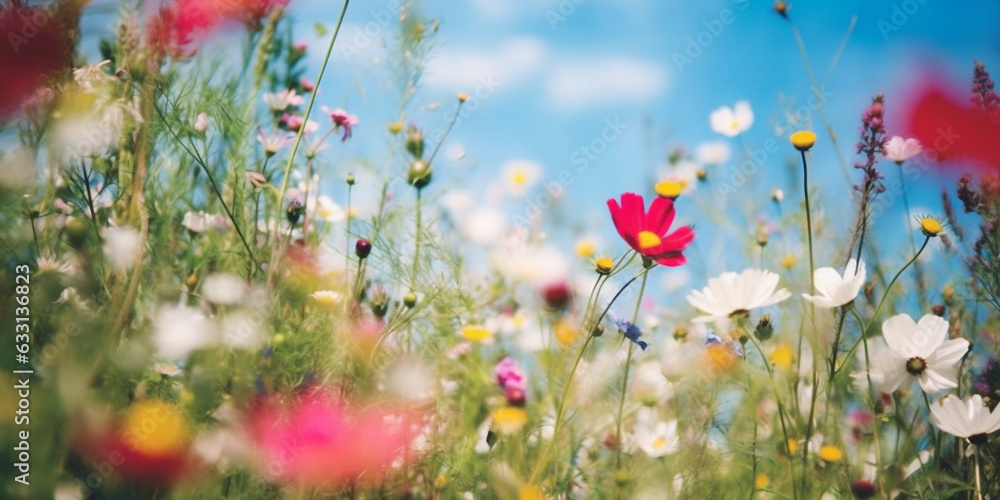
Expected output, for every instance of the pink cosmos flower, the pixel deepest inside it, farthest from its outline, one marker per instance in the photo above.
(321, 441)
(295, 122)
(273, 141)
(900, 150)
(343, 119)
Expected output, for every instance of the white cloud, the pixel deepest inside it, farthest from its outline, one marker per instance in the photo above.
(511, 62)
(621, 80)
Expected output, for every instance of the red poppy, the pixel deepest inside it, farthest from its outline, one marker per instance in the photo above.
(951, 129)
(37, 47)
(646, 232)
(181, 25)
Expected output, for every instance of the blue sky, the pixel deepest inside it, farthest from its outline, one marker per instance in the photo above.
(557, 73)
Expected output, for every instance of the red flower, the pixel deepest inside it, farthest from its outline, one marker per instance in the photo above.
(182, 25)
(36, 46)
(646, 232)
(950, 129)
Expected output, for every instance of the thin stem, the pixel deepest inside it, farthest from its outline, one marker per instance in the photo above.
(836, 341)
(906, 202)
(812, 289)
(305, 119)
(781, 415)
(416, 249)
(975, 457)
(628, 362)
(817, 93)
(447, 131)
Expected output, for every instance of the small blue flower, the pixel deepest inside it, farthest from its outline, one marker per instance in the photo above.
(631, 332)
(712, 338)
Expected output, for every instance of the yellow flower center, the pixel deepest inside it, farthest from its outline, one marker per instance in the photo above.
(659, 443)
(530, 493)
(930, 226)
(566, 332)
(519, 178)
(735, 124)
(793, 446)
(648, 239)
(803, 140)
(155, 428)
(788, 261)
(604, 265)
(782, 357)
(476, 333)
(670, 189)
(830, 453)
(509, 419)
(585, 249)
(762, 481)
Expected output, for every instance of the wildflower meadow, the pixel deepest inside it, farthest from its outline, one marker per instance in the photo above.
(303, 249)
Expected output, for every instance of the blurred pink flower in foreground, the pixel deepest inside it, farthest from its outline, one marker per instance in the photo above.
(320, 441)
(900, 150)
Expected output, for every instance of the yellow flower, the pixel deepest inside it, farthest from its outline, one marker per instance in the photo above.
(477, 333)
(326, 299)
(396, 127)
(585, 248)
(788, 261)
(930, 226)
(604, 265)
(793, 446)
(440, 481)
(670, 189)
(462, 97)
(509, 419)
(566, 332)
(830, 453)
(155, 428)
(762, 481)
(782, 357)
(720, 357)
(803, 140)
(531, 493)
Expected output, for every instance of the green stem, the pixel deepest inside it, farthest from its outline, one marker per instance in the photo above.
(781, 416)
(305, 119)
(416, 249)
(812, 289)
(628, 362)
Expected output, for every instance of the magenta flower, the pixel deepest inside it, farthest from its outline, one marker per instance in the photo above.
(320, 441)
(512, 381)
(295, 122)
(343, 119)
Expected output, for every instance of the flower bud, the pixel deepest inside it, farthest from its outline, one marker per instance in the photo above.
(415, 141)
(557, 295)
(604, 266)
(863, 488)
(781, 7)
(410, 300)
(419, 175)
(295, 212)
(362, 248)
(256, 179)
(764, 328)
(462, 97)
(598, 330)
(350, 179)
(379, 302)
(938, 310)
(76, 232)
(201, 123)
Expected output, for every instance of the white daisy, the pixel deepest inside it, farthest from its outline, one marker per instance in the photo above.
(658, 440)
(731, 122)
(179, 330)
(521, 175)
(836, 290)
(121, 245)
(712, 153)
(281, 100)
(734, 293)
(918, 350)
(223, 289)
(969, 419)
